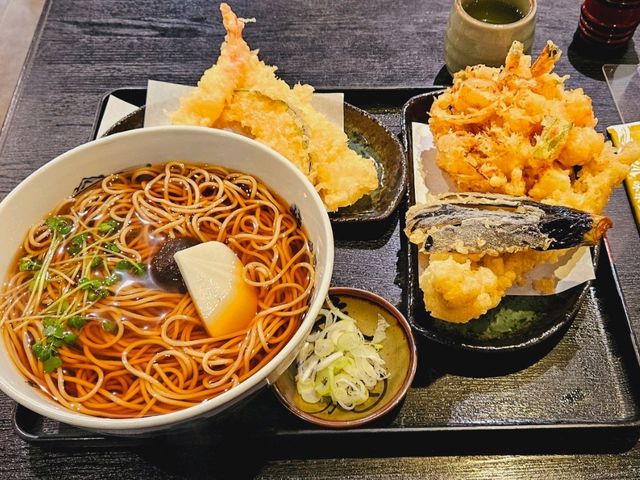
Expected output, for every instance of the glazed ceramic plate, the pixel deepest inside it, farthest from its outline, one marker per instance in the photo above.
(518, 322)
(398, 352)
(368, 137)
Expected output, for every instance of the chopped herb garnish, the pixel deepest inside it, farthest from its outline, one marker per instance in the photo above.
(49, 321)
(53, 331)
(135, 268)
(77, 243)
(76, 321)
(112, 279)
(52, 363)
(138, 268)
(88, 284)
(41, 351)
(123, 265)
(70, 338)
(59, 225)
(96, 262)
(55, 336)
(108, 227)
(98, 293)
(27, 264)
(96, 287)
(112, 247)
(108, 326)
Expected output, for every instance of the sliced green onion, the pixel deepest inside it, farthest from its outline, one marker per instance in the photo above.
(338, 363)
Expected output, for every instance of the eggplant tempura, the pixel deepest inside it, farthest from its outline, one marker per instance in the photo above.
(242, 93)
(491, 223)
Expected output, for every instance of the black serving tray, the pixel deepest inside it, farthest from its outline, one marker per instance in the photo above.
(583, 382)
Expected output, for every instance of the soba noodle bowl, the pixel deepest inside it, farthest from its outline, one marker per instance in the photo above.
(84, 321)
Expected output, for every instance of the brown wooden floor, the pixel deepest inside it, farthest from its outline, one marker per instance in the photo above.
(18, 19)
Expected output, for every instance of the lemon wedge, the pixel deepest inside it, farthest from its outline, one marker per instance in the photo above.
(621, 134)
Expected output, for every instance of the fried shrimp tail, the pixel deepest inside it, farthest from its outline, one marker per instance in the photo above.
(217, 85)
(514, 56)
(546, 60)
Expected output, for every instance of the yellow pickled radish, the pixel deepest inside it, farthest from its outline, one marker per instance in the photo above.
(213, 275)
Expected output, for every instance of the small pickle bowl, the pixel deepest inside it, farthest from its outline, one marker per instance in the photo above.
(398, 352)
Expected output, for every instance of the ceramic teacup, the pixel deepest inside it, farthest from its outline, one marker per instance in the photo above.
(470, 41)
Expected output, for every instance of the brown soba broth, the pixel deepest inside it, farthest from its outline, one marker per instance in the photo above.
(85, 321)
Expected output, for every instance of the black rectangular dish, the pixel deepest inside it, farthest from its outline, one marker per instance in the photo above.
(583, 373)
(584, 380)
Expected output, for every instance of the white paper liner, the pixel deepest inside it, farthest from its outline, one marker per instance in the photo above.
(114, 110)
(574, 268)
(163, 97)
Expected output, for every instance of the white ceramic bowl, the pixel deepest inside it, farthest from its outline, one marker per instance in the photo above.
(39, 193)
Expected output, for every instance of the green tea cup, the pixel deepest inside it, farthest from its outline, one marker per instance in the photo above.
(473, 40)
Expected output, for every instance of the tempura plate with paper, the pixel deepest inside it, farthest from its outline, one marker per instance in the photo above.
(242, 93)
(511, 133)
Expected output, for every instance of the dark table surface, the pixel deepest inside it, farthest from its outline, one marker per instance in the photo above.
(84, 48)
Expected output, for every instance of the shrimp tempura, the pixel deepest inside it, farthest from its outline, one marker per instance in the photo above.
(204, 105)
(242, 93)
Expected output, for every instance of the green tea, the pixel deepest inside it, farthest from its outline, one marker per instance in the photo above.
(493, 11)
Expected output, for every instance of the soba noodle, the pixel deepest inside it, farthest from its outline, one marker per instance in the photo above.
(142, 350)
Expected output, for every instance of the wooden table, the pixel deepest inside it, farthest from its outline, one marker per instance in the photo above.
(84, 48)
